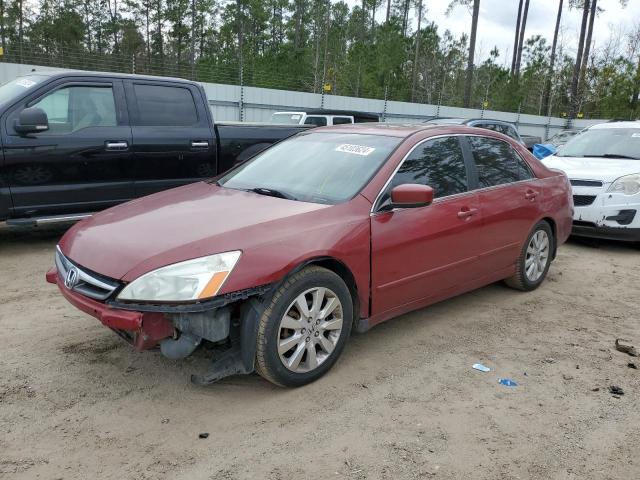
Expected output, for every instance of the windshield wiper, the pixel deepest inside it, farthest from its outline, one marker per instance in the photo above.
(613, 155)
(271, 192)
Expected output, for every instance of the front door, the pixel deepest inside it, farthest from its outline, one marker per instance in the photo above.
(419, 253)
(172, 140)
(82, 163)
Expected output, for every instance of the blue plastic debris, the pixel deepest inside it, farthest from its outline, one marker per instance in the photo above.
(542, 150)
(507, 382)
(482, 368)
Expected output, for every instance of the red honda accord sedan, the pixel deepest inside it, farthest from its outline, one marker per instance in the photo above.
(339, 228)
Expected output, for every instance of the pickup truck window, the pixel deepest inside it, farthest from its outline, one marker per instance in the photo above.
(73, 108)
(160, 105)
(324, 168)
(341, 120)
(317, 121)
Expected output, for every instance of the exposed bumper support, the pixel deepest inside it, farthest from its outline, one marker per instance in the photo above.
(240, 358)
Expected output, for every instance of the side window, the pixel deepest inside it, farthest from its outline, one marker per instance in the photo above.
(496, 162)
(160, 105)
(317, 121)
(438, 163)
(341, 120)
(512, 133)
(488, 126)
(70, 109)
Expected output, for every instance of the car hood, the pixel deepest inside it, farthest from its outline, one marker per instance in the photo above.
(176, 225)
(589, 168)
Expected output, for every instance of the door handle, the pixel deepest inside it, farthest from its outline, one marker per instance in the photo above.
(467, 212)
(199, 144)
(530, 194)
(116, 145)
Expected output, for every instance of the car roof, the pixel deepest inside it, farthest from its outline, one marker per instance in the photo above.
(465, 121)
(628, 124)
(405, 130)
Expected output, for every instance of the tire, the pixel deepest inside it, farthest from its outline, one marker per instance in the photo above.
(314, 341)
(525, 279)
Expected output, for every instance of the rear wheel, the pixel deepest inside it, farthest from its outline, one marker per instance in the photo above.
(305, 327)
(534, 260)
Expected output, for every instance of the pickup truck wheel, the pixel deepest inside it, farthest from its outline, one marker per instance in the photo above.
(304, 328)
(534, 260)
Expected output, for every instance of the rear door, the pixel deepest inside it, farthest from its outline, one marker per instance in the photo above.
(510, 198)
(420, 253)
(82, 163)
(173, 143)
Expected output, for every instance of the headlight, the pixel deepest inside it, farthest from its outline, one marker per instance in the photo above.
(195, 279)
(627, 185)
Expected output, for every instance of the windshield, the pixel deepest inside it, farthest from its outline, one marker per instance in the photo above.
(290, 118)
(604, 142)
(314, 167)
(16, 87)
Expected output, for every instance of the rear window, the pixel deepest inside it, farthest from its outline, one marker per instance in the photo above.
(160, 105)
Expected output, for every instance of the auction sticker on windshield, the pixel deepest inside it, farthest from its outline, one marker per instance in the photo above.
(355, 149)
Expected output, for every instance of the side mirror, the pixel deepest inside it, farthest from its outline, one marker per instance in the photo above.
(31, 120)
(411, 195)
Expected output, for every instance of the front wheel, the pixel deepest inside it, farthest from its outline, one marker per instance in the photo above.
(534, 260)
(303, 330)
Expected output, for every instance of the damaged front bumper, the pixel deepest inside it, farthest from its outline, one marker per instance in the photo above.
(179, 329)
(606, 215)
(143, 330)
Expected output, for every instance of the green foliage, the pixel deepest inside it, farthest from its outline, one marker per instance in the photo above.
(305, 45)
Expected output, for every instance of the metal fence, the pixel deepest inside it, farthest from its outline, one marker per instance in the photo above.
(249, 103)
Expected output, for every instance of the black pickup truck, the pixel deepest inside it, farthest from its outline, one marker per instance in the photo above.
(75, 143)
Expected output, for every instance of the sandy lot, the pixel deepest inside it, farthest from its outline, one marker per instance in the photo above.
(77, 403)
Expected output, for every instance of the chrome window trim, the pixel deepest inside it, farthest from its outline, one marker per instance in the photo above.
(373, 210)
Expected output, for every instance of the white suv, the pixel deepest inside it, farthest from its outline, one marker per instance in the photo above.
(603, 164)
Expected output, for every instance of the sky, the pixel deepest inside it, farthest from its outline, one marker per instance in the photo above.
(496, 24)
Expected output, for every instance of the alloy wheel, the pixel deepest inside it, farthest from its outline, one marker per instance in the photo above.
(310, 329)
(537, 256)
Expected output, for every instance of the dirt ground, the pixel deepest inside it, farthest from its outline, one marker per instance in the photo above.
(76, 402)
